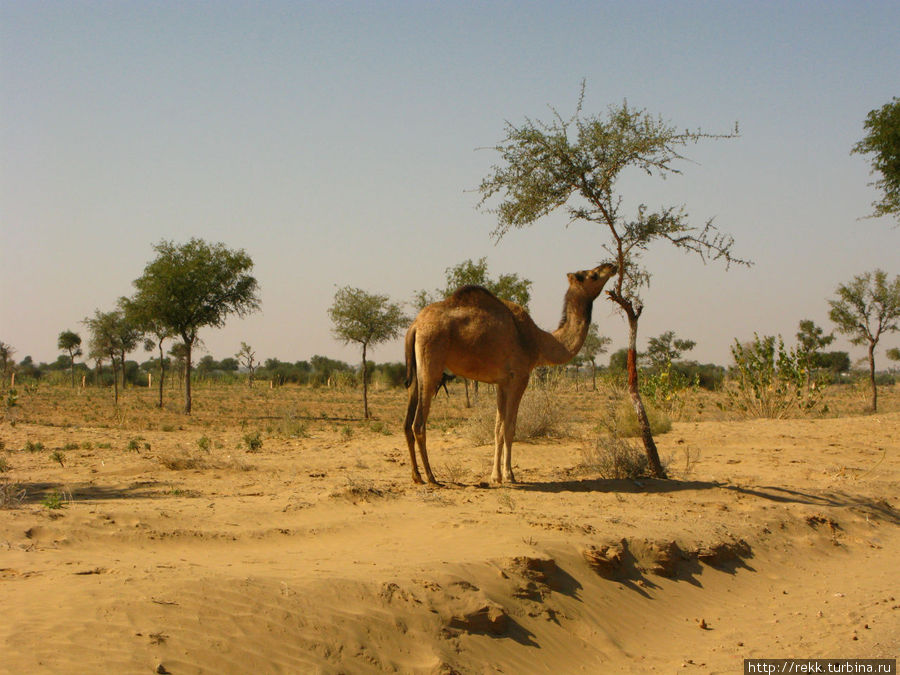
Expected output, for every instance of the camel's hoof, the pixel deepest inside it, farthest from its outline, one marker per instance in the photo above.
(418, 480)
(434, 483)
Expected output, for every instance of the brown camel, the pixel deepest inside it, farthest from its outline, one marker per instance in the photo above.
(478, 336)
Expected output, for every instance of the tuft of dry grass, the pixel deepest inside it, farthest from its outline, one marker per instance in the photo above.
(541, 415)
(615, 458)
(11, 494)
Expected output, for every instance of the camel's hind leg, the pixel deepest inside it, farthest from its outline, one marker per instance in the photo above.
(408, 429)
(429, 374)
(496, 476)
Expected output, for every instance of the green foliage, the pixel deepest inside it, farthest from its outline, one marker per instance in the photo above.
(34, 446)
(367, 319)
(864, 310)
(191, 286)
(615, 458)
(204, 444)
(882, 141)
(58, 456)
(893, 354)
(70, 342)
(770, 379)
(54, 501)
(663, 350)
(665, 386)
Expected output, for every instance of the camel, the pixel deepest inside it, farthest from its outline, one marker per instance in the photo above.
(478, 336)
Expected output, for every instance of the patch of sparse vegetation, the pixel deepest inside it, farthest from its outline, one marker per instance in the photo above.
(183, 461)
(346, 432)
(626, 422)
(58, 456)
(253, 442)
(4, 465)
(204, 444)
(134, 444)
(32, 446)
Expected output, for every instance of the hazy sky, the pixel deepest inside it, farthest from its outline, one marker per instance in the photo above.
(337, 143)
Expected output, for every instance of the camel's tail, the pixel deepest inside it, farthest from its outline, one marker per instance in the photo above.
(410, 357)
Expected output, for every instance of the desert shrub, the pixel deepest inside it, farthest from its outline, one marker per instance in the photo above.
(134, 444)
(204, 444)
(770, 380)
(666, 387)
(615, 458)
(55, 500)
(253, 441)
(541, 415)
(4, 465)
(11, 494)
(182, 461)
(58, 456)
(31, 446)
(625, 423)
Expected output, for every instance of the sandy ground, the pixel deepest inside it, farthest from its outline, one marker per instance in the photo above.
(318, 554)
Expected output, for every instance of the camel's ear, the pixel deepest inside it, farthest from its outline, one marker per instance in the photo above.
(571, 278)
(576, 277)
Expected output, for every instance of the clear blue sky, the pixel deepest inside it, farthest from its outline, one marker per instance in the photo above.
(336, 142)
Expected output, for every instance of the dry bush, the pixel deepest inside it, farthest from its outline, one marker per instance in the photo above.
(183, 461)
(615, 458)
(11, 495)
(541, 415)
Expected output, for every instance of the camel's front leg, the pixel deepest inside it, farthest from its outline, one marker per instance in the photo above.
(496, 476)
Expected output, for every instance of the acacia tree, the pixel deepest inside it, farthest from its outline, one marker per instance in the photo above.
(194, 285)
(109, 338)
(864, 310)
(811, 339)
(573, 164)
(142, 312)
(882, 141)
(70, 342)
(667, 348)
(7, 363)
(367, 319)
(594, 345)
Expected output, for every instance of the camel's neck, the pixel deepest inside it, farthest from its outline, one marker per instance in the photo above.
(563, 344)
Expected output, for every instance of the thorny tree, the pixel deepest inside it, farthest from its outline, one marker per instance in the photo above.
(574, 164)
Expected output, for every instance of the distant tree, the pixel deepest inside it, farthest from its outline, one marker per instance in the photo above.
(229, 365)
(667, 348)
(194, 285)
(882, 141)
(594, 345)
(574, 165)
(109, 338)
(811, 339)
(835, 362)
(618, 360)
(864, 310)
(7, 363)
(206, 365)
(179, 354)
(367, 319)
(144, 311)
(70, 343)
(247, 358)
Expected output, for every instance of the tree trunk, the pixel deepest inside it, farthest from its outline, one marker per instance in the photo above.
(365, 376)
(634, 391)
(162, 373)
(72, 367)
(187, 377)
(872, 376)
(115, 377)
(594, 374)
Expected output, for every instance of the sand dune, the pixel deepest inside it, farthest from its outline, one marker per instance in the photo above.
(318, 554)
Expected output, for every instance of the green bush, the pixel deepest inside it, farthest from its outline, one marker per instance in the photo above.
(626, 424)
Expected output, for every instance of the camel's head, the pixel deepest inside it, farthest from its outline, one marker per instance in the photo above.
(591, 282)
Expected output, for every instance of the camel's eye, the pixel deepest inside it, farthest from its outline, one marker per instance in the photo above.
(593, 276)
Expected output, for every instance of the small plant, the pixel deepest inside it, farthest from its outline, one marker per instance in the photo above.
(134, 444)
(54, 500)
(4, 465)
(58, 456)
(253, 441)
(105, 445)
(70, 446)
(626, 424)
(346, 432)
(204, 444)
(87, 445)
(31, 446)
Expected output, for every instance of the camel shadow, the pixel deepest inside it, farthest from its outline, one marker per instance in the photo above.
(38, 492)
